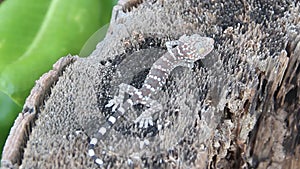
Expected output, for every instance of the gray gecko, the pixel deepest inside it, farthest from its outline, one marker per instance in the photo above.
(183, 52)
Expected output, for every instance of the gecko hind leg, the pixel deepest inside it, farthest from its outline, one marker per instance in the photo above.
(117, 101)
(145, 119)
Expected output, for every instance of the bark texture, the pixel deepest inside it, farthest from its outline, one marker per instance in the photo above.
(238, 108)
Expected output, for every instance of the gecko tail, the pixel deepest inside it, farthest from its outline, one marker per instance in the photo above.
(92, 154)
(102, 132)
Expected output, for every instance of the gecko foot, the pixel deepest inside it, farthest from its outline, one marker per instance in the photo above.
(115, 103)
(144, 120)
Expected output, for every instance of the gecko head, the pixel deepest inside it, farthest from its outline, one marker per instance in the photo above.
(196, 46)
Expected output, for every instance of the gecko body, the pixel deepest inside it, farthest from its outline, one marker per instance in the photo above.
(182, 52)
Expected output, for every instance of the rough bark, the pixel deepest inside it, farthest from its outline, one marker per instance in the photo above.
(238, 108)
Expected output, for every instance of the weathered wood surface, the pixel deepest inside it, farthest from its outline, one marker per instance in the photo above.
(239, 108)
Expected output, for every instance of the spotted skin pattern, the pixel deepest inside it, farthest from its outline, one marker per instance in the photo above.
(182, 52)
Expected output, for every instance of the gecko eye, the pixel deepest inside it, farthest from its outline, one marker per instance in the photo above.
(201, 50)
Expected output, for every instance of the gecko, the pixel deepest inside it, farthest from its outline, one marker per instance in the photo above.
(182, 52)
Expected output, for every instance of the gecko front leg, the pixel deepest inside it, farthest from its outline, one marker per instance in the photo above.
(189, 65)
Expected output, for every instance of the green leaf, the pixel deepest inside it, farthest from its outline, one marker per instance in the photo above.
(33, 35)
(7, 117)
(99, 35)
(36, 34)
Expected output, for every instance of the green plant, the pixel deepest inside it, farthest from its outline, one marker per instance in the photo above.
(33, 35)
